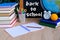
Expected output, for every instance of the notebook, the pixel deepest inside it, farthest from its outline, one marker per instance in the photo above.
(48, 25)
(50, 21)
(9, 25)
(3, 5)
(22, 29)
(33, 24)
(8, 18)
(9, 6)
(7, 22)
(7, 11)
(16, 31)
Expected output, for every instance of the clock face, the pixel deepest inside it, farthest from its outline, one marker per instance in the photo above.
(47, 15)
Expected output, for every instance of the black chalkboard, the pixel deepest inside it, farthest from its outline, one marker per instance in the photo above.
(33, 7)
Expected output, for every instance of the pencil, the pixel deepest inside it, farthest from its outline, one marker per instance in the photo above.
(21, 5)
(33, 27)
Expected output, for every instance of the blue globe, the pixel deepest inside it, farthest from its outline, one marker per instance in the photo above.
(51, 5)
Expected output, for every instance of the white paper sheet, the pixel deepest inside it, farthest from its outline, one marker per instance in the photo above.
(34, 25)
(16, 31)
(23, 29)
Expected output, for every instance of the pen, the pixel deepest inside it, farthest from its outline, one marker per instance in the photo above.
(33, 27)
(25, 28)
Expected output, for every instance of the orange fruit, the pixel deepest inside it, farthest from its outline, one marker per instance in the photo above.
(54, 17)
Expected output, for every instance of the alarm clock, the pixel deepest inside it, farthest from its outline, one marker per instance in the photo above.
(47, 15)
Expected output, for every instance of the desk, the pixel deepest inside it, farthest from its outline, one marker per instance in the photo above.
(45, 34)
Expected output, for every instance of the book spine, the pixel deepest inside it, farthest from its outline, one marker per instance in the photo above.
(6, 14)
(7, 11)
(46, 24)
(9, 5)
(46, 21)
(7, 21)
(7, 18)
(8, 8)
(11, 25)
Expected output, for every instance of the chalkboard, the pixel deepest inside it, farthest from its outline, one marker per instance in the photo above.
(33, 7)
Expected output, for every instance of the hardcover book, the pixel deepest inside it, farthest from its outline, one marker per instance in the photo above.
(9, 25)
(7, 22)
(8, 18)
(9, 6)
(50, 21)
(47, 24)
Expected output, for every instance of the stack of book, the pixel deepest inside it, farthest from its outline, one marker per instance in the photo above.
(7, 14)
(50, 23)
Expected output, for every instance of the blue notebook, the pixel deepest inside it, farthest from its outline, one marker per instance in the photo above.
(7, 4)
(50, 21)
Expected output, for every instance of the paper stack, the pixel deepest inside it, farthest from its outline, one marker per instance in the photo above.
(7, 14)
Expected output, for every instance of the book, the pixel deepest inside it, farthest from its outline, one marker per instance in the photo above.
(7, 11)
(8, 18)
(6, 14)
(9, 6)
(7, 21)
(50, 21)
(10, 25)
(47, 24)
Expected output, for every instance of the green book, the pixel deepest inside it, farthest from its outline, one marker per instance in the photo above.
(46, 24)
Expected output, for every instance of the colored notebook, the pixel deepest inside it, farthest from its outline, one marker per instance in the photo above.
(8, 18)
(9, 25)
(47, 24)
(7, 11)
(50, 21)
(5, 5)
(7, 22)
(9, 6)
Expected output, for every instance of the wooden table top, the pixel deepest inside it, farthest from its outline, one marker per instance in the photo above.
(45, 34)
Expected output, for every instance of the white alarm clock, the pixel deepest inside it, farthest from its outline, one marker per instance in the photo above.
(47, 15)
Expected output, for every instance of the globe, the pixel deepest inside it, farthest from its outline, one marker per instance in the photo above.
(51, 5)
